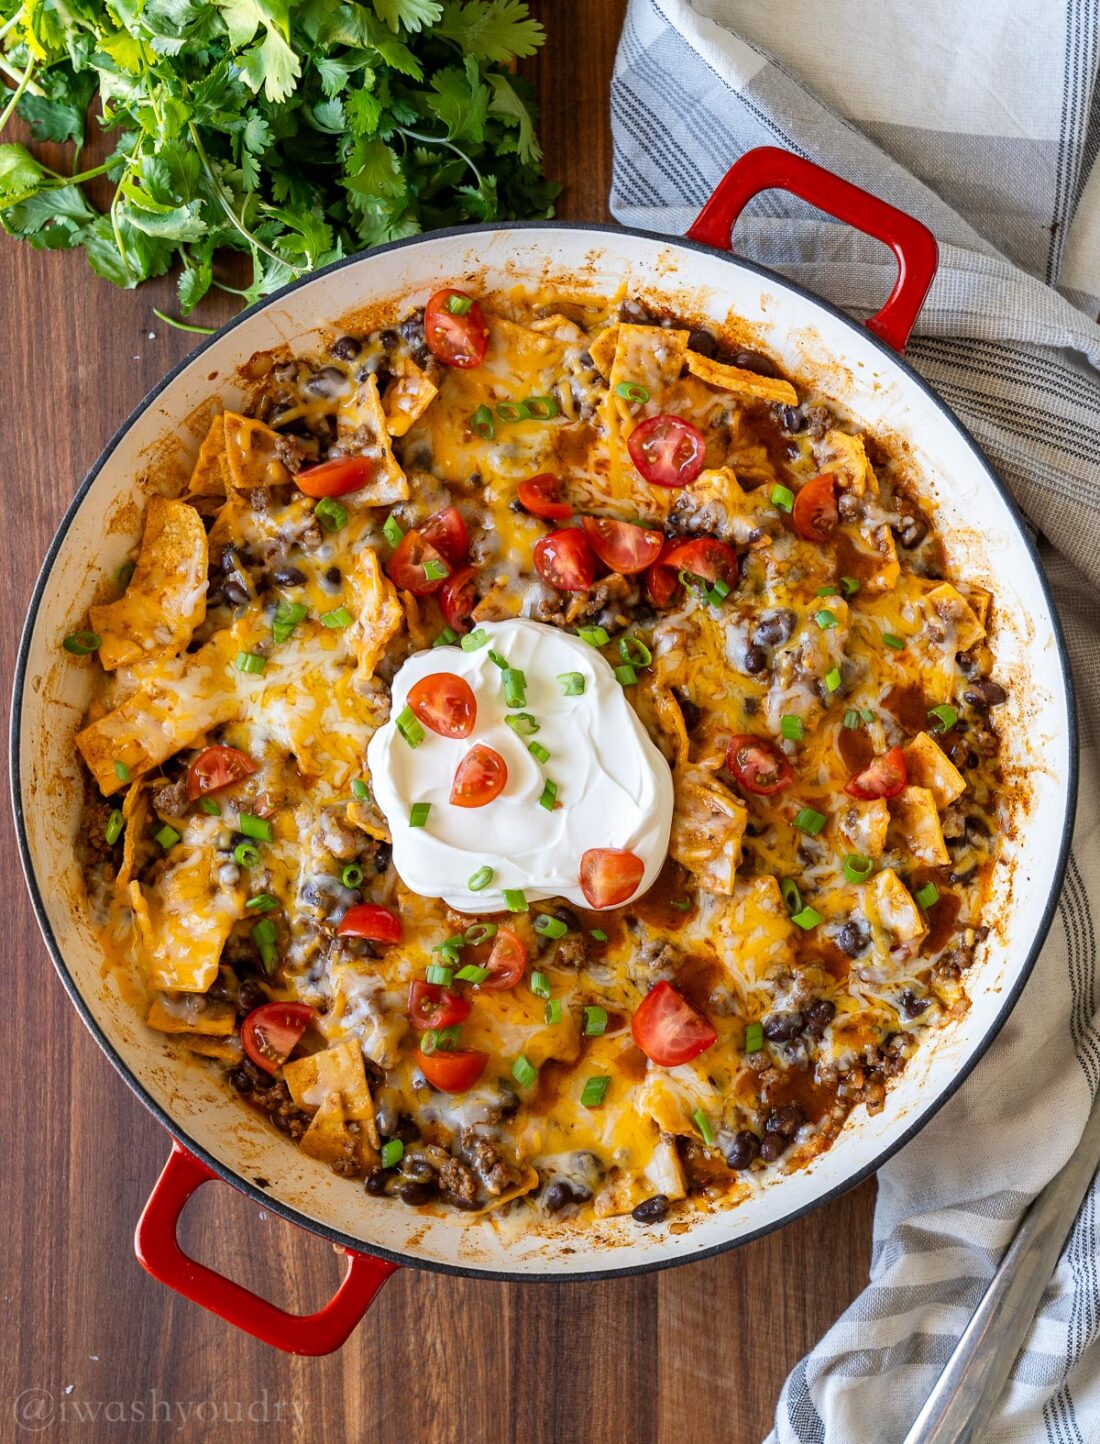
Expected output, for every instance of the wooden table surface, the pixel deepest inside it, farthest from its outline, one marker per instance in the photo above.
(93, 1348)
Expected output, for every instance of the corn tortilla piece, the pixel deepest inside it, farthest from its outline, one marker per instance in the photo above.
(741, 382)
(252, 454)
(890, 904)
(649, 356)
(184, 920)
(365, 816)
(928, 765)
(210, 1019)
(708, 823)
(135, 816)
(952, 608)
(407, 397)
(846, 457)
(361, 430)
(334, 1137)
(211, 475)
(916, 821)
(226, 1050)
(528, 1182)
(166, 597)
(378, 613)
(602, 350)
(623, 1192)
(981, 603)
(863, 825)
(337, 1069)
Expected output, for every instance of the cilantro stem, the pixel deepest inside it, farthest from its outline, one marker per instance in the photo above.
(24, 81)
(182, 325)
(438, 140)
(227, 205)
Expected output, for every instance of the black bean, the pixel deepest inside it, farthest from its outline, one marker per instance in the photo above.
(963, 875)
(415, 1194)
(235, 592)
(240, 1081)
(389, 339)
(786, 1120)
(756, 361)
(568, 917)
(419, 1170)
(794, 418)
(251, 995)
(985, 694)
(782, 1026)
(219, 989)
(375, 1182)
(774, 627)
(818, 1017)
(382, 854)
(853, 939)
(912, 1005)
(346, 348)
(333, 577)
(702, 342)
(756, 659)
(329, 381)
(912, 531)
(976, 828)
(743, 1149)
(773, 1146)
(651, 1210)
(406, 1130)
(560, 1194)
(286, 576)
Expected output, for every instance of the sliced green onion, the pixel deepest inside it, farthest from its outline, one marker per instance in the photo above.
(598, 934)
(435, 571)
(265, 935)
(944, 714)
(124, 575)
(210, 807)
(80, 644)
(595, 1021)
(250, 662)
(515, 899)
(595, 1090)
(826, 620)
(458, 304)
(474, 640)
(633, 650)
(360, 790)
(552, 1013)
(809, 820)
(257, 828)
(626, 675)
(439, 1040)
(548, 927)
(549, 795)
(849, 586)
(511, 411)
(889, 640)
(523, 1072)
(451, 948)
(851, 719)
(393, 1151)
(340, 617)
(167, 836)
(858, 868)
(571, 683)
(682, 905)
(594, 636)
(497, 660)
(263, 902)
(482, 424)
(832, 678)
(632, 391)
(754, 1037)
(392, 531)
(782, 497)
(515, 687)
(702, 1122)
(867, 715)
(471, 973)
(113, 831)
(245, 855)
(480, 879)
(541, 408)
(352, 875)
(522, 723)
(332, 516)
(447, 638)
(440, 976)
(927, 895)
(538, 752)
(407, 724)
(540, 985)
(825, 592)
(792, 727)
(122, 772)
(287, 616)
(418, 814)
(791, 895)
(717, 593)
(808, 918)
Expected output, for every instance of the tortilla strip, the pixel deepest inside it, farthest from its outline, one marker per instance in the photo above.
(708, 823)
(953, 609)
(741, 382)
(334, 1137)
(211, 474)
(893, 908)
(928, 765)
(184, 920)
(337, 1069)
(407, 397)
(602, 350)
(252, 454)
(135, 815)
(863, 825)
(362, 430)
(915, 819)
(209, 1019)
(529, 1181)
(378, 616)
(166, 597)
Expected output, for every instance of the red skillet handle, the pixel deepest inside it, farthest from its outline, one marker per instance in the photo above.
(158, 1250)
(769, 168)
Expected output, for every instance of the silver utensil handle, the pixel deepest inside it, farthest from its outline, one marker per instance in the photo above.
(959, 1408)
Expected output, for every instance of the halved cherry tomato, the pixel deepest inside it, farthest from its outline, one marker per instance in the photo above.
(447, 533)
(431, 1006)
(270, 1032)
(458, 340)
(661, 584)
(815, 513)
(459, 597)
(479, 777)
(452, 1072)
(215, 768)
(506, 962)
(541, 496)
(445, 704)
(666, 450)
(758, 765)
(373, 921)
(565, 560)
(406, 567)
(335, 478)
(609, 875)
(668, 1029)
(883, 776)
(704, 557)
(621, 545)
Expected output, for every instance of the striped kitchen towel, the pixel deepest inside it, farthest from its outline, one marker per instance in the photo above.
(983, 120)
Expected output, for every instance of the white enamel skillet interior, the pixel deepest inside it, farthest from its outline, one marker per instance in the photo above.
(986, 543)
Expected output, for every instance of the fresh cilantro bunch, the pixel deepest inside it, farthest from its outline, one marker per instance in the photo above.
(297, 131)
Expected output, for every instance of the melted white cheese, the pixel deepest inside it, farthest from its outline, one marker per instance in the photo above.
(614, 787)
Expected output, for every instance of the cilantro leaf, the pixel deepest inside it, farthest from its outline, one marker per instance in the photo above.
(413, 14)
(496, 30)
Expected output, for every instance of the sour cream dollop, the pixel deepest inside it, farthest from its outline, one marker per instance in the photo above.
(614, 788)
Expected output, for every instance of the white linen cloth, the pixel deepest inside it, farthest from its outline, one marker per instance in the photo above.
(982, 119)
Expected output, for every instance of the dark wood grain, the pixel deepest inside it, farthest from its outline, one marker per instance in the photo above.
(690, 1356)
